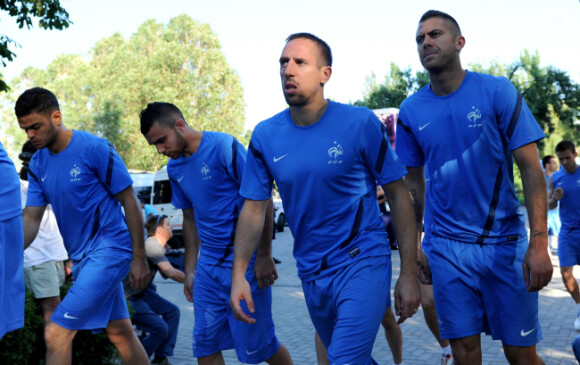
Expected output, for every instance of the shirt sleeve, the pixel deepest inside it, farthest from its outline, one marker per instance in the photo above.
(380, 157)
(257, 181)
(109, 167)
(154, 251)
(409, 151)
(235, 160)
(35, 196)
(515, 120)
(178, 198)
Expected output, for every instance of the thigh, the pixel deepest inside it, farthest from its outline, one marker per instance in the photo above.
(96, 296)
(255, 343)
(569, 248)
(360, 298)
(511, 311)
(456, 290)
(43, 279)
(144, 316)
(211, 331)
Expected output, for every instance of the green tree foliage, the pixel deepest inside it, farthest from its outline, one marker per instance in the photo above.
(180, 63)
(553, 98)
(51, 16)
(397, 86)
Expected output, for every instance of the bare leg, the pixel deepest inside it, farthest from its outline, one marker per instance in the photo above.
(467, 350)
(570, 282)
(281, 357)
(48, 305)
(121, 334)
(430, 314)
(522, 355)
(213, 359)
(393, 335)
(321, 352)
(58, 344)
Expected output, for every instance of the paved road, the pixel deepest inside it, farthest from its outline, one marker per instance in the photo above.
(294, 329)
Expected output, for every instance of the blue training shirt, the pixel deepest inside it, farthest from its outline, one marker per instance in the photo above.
(10, 206)
(81, 183)
(326, 174)
(209, 182)
(465, 139)
(569, 212)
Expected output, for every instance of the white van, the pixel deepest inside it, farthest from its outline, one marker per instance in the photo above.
(161, 201)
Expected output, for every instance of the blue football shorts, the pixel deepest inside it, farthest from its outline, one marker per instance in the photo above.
(554, 222)
(215, 327)
(569, 247)
(482, 289)
(97, 296)
(347, 306)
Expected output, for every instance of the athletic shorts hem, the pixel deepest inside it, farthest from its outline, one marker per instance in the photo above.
(248, 360)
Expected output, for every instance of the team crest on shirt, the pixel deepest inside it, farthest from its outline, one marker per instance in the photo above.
(335, 152)
(205, 172)
(473, 117)
(75, 172)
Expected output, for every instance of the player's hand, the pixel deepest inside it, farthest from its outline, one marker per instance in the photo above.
(424, 274)
(407, 297)
(139, 275)
(188, 286)
(241, 290)
(265, 269)
(537, 266)
(558, 194)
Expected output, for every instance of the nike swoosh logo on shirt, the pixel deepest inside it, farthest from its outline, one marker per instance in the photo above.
(524, 334)
(421, 127)
(43, 178)
(276, 159)
(179, 180)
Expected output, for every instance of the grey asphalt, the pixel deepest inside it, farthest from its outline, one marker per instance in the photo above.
(294, 329)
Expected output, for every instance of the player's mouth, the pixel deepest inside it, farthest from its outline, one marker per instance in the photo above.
(290, 88)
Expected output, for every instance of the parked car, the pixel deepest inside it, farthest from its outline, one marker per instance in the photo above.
(142, 183)
(161, 201)
(279, 216)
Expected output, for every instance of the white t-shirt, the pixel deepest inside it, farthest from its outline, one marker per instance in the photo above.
(48, 245)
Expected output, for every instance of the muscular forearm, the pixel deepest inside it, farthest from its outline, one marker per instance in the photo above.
(249, 230)
(415, 183)
(404, 221)
(534, 186)
(192, 245)
(265, 244)
(31, 219)
(135, 224)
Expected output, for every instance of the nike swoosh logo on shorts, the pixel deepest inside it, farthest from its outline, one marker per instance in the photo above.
(179, 180)
(276, 159)
(248, 352)
(69, 317)
(524, 334)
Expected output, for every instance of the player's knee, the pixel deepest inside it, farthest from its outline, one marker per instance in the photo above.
(56, 336)
(389, 319)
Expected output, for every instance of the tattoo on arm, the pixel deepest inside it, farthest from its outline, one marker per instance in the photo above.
(417, 206)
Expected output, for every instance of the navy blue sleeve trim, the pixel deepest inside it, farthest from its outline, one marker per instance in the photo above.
(515, 117)
(256, 153)
(235, 159)
(492, 207)
(382, 151)
(33, 176)
(110, 166)
(400, 123)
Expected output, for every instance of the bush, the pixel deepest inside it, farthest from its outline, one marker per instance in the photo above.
(26, 345)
